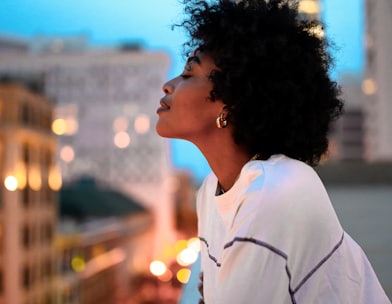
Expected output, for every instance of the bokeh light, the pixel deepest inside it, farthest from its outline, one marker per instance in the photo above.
(186, 257)
(309, 7)
(20, 175)
(34, 179)
(369, 86)
(11, 183)
(167, 276)
(71, 126)
(120, 124)
(78, 264)
(142, 124)
(59, 126)
(157, 268)
(183, 275)
(67, 154)
(181, 245)
(54, 179)
(122, 140)
(194, 243)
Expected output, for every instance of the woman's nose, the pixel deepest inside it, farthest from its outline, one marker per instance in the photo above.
(168, 87)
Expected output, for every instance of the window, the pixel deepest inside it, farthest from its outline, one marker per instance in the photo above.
(24, 113)
(1, 282)
(26, 277)
(26, 237)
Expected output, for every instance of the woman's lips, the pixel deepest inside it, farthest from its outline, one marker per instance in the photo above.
(164, 106)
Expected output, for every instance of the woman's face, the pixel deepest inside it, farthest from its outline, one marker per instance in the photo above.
(186, 111)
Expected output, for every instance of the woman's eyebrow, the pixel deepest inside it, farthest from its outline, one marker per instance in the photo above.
(191, 60)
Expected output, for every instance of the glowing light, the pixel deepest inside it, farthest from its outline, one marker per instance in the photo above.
(54, 179)
(78, 264)
(183, 275)
(34, 179)
(67, 154)
(186, 257)
(104, 261)
(194, 243)
(20, 175)
(168, 251)
(59, 126)
(181, 245)
(166, 277)
(71, 126)
(122, 140)
(11, 183)
(142, 124)
(98, 250)
(309, 7)
(369, 86)
(68, 126)
(157, 268)
(120, 124)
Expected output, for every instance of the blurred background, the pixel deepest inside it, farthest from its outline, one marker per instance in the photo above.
(94, 206)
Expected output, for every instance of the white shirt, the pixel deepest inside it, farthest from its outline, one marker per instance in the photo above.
(274, 238)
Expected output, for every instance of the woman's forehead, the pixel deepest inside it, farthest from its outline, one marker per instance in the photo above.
(201, 58)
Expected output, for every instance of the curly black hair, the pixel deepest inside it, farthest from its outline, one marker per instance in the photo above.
(272, 74)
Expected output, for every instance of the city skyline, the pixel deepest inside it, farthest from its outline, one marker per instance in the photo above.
(109, 23)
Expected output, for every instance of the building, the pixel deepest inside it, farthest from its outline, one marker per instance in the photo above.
(348, 132)
(103, 243)
(105, 104)
(376, 84)
(12, 44)
(28, 210)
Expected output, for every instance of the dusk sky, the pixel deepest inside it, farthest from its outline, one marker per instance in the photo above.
(108, 22)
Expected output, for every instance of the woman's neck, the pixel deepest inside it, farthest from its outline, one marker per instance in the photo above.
(226, 160)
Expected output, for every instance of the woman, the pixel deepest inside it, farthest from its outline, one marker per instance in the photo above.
(255, 97)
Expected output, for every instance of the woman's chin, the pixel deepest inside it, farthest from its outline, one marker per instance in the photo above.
(161, 131)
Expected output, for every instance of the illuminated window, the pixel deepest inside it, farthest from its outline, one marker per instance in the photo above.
(309, 7)
(369, 86)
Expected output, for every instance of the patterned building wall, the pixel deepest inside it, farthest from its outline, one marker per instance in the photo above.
(377, 84)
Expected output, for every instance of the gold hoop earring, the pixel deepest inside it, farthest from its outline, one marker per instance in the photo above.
(221, 122)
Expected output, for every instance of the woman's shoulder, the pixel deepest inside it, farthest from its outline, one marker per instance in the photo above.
(286, 191)
(282, 164)
(208, 182)
(280, 170)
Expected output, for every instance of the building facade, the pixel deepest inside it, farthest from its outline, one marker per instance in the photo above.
(28, 211)
(105, 113)
(94, 259)
(377, 81)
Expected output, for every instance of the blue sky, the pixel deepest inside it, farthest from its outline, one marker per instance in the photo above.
(108, 22)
